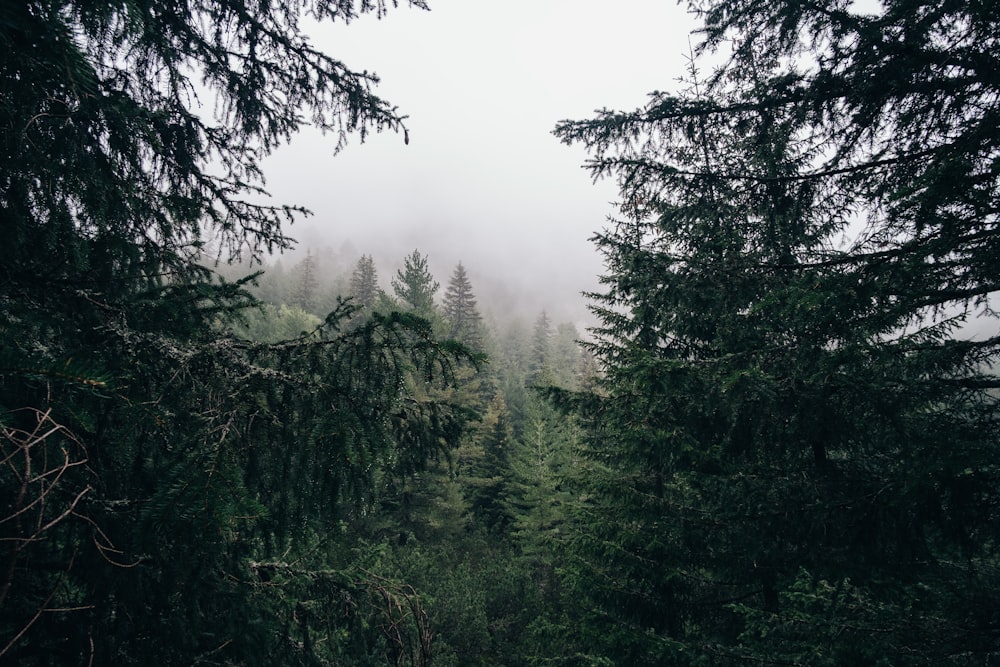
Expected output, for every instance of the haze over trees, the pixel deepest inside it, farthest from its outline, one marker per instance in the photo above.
(778, 445)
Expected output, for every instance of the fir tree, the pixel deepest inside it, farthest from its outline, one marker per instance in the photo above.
(488, 475)
(415, 286)
(169, 489)
(791, 452)
(307, 283)
(364, 283)
(539, 366)
(565, 356)
(461, 316)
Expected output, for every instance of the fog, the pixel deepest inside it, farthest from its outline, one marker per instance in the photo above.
(483, 180)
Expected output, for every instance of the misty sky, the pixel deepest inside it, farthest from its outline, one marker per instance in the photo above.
(483, 180)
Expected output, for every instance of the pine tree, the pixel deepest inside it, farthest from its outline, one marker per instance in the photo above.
(540, 461)
(488, 474)
(364, 283)
(415, 285)
(169, 489)
(791, 451)
(539, 362)
(461, 316)
(565, 355)
(307, 283)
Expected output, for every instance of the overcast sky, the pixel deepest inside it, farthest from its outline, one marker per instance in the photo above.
(483, 180)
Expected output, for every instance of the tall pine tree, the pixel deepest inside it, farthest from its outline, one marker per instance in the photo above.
(791, 455)
(539, 362)
(461, 315)
(364, 283)
(306, 283)
(415, 286)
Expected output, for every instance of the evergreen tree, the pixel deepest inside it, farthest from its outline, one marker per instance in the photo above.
(540, 462)
(364, 283)
(488, 475)
(306, 284)
(539, 366)
(272, 285)
(461, 316)
(415, 285)
(792, 452)
(565, 355)
(169, 489)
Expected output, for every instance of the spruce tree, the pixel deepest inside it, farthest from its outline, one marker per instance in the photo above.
(539, 362)
(462, 319)
(170, 491)
(306, 283)
(791, 451)
(415, 286)
(565, 355)
(364, 283)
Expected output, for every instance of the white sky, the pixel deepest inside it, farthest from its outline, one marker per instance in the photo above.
(483, 180)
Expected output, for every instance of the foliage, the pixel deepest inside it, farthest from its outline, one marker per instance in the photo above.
(793, 445)
(461, 315)
(304, 295)
(415, 286)
(171, 491)
(364, 283)
(481, 604)
(539, 370)
(272, 324)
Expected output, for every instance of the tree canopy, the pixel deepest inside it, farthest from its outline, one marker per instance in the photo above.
(105, 134)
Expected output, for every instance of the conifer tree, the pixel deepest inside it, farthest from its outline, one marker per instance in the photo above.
(415, 286)
(791, 452)
(565, 355)
(539, 463)
(169, 489)
(539, 368)
(461, 316)
(306, 283)
(488, 475)
(364, 283)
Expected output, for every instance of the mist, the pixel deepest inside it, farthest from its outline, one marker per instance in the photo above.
(482, 180)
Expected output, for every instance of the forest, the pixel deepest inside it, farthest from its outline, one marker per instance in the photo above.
(778, 445)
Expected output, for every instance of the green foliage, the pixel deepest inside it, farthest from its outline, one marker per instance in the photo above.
(792, 445)
(461, 316)
(272, 324)
(364, 283)
(304, 295)
(539, 370)
(487, 475)
(481, 604)
(539, 466)
(171, 492)
(415, 286)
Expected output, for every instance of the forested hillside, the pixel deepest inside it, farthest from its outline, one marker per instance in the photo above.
(470, 535)
(778, 445)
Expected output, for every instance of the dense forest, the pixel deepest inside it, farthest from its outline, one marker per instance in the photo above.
(778, 445)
